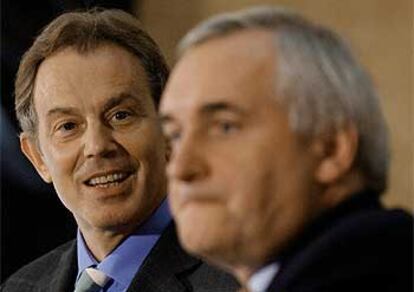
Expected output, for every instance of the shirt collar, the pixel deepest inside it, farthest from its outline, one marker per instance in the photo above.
(261, 279)
(123, 262)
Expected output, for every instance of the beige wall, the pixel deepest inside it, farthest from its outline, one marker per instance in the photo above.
(381, 33)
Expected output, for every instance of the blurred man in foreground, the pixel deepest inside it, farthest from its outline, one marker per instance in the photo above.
(279, 157)
(87, 93)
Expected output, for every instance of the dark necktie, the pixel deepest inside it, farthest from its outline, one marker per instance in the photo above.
(91, 280)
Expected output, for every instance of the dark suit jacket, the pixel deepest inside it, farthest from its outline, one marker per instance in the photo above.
(166, 268)
(358, 246)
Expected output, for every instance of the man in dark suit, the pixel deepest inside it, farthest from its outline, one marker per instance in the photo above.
(87, 93)
(279, 156)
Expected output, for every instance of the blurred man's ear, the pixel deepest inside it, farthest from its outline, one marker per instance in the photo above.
(31, 150)
(337, 154)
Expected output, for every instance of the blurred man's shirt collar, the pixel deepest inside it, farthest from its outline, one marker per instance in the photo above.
(262, 278)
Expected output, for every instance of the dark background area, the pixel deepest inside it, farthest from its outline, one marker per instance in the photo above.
(33, 220)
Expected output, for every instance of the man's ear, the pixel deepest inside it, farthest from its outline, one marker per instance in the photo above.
(31, 150)
(337, 153)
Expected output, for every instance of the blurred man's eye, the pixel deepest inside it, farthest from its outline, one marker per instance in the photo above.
(172, 136)
(227, 127)
(224, 127)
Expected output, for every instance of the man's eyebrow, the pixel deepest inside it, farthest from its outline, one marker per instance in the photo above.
(214, 107)
(61, 110)
(111, 103)
(121, 98)
(207, 109)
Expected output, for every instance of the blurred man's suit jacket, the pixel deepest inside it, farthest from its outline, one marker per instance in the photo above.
(358, 246)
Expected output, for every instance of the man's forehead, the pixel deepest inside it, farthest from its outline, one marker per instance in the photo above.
(255, 43)
(234, 54)
(221, 71)
(69, 76)
(105, 55)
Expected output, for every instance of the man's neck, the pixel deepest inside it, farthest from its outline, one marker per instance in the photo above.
(243, 275)
(341, 191)
(101, 243)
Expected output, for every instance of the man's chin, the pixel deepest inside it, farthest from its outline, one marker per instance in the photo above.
(108, 221)
(201, 242)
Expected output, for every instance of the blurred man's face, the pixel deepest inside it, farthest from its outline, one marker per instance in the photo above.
(240, 181)
(99, 140)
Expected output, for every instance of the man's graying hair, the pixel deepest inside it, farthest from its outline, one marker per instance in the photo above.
(319, 82)
(85, 31)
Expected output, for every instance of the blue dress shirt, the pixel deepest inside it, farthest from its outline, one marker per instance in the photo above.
(123, 262)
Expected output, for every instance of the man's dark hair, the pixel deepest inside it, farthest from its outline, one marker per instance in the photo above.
(85, 31)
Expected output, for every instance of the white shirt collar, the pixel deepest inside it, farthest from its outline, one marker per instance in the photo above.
(262, 278)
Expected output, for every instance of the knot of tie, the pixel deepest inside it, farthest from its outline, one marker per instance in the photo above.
(91, 280)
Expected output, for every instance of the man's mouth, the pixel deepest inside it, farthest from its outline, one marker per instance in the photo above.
(108, 180)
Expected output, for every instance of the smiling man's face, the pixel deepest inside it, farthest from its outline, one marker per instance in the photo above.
(99, 141)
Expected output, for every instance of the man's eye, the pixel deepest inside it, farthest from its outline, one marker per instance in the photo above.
(121, 115)
(68, 126)
(66, 129)
(172, 136)
(226, 127)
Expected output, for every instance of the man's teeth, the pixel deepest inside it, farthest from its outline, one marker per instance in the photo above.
(107, 179)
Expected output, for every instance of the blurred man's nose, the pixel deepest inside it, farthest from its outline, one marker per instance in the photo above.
(187, 162)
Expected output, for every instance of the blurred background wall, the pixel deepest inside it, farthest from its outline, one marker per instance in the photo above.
(380, 32)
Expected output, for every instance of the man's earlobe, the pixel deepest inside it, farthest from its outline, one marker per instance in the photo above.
(31, 150)
(337, 154)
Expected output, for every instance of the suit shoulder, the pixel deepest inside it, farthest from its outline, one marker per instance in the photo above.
(378, 233)
(374, 224)
(362, 228)
(371, 248)
(38, 271)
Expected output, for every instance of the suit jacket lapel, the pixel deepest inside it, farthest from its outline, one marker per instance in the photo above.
(65, 272)
(164, 268)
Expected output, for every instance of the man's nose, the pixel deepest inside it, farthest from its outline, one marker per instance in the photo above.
(99, 141)
(188, 161)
